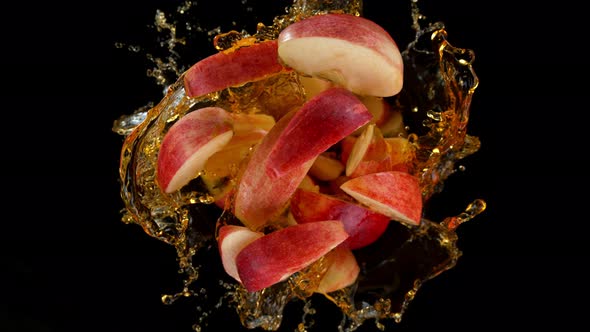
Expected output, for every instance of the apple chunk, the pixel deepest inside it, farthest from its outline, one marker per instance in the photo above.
(342, 271)
(189, 143)
(320, 123)
(364, 226)
(232, 68)
(289, 150)
(394, 194)
(277, 255)
(349, 50)
(231, 240)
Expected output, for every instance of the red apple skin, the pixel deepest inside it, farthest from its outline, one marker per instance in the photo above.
(373, 67)
(277, 255)
(187, 145)
(225, 69)
(321, 122)
(259, 199)
(363, 225)
(395, 194)
(342, 271)
(230, 241)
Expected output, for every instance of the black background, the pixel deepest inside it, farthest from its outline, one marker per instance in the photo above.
(69, 264)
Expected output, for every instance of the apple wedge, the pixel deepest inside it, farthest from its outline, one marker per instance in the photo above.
(351, 51)
(363, 226)
(232, 68)
(326, 168)
(189, 143)
(277, 255)
(230, 241)
(342, 271)
(394, 194)
(320, 123)
(289, 150)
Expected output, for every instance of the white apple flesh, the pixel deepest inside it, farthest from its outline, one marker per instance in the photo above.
(189, 143)
(277, 255)
(351, 51)
(342, 271)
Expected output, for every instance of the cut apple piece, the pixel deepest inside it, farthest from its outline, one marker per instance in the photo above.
(231, 240)
(289, 150)
(189, 143)
(326, 169)
(245, 123)
(314, 86)
(342, 271)
(401, 153)
(394, 194)
(277, 255)
(349, 50)
(359, 149)
(320, 123)
(232, 68)
(362, 225)
(376, 155)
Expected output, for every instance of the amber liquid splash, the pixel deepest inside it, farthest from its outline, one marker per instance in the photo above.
(439, 83)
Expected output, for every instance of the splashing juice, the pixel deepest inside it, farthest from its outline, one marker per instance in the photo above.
(439, 83)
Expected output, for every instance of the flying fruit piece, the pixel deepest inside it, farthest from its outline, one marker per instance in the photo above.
(231, 240)
(313, 86)
(326, 169)
(232, 68)
(372, 156)
(189, 143)
(359, 149)
(277, 255)
(349, 50)
(342, 271)
(320, 123)
(394, 194)
(245, 122)
(284, 156)
(363, 226)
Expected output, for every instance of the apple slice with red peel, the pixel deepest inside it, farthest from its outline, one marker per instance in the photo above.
(232, 68)
(277, 255)
(376, 157)
(349, 50)
(394, 194)
(359, 149)
(342, 271)
(189, 143)
(320, 123)
(363, 225)
(289, 150)
(230, 241)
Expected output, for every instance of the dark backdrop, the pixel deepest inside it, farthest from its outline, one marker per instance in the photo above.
(69, 264)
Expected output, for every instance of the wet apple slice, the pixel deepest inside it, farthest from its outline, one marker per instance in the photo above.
(363, 225)
(232, 68)
(231, 240)
(394, 194)
(284, 156)
(349, 50)
(342, 271)
(189, 143)
(277, 255)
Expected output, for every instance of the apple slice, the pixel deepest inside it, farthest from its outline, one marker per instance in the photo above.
(394, 194)
(230, 241)
(326, 168)
(290, 149)
(232, 68)
(359, 149)
(245, 123)
(313, 85)
(372, 156)
(349, 50)
(320, 123)
(342, 271)
(189, 143)
(363, 225)
(277, 255)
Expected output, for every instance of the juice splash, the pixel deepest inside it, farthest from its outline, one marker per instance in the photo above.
(439, 83)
